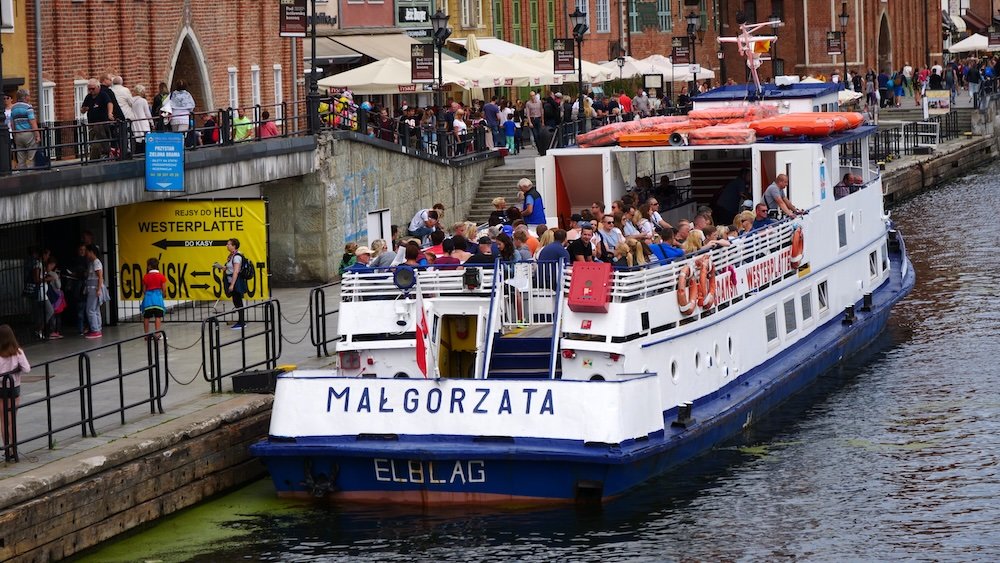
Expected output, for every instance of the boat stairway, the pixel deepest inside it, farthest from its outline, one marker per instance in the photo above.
(519, 357)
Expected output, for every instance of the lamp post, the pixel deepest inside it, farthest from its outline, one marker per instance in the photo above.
(4, 132)
(843, 38)
(775, 20)
(693, 21)
(579, 20)
(313, 97)
(621, 65)
(439, 22)
(722, 64)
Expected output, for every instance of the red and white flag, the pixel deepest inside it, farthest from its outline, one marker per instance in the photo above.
(423, 333)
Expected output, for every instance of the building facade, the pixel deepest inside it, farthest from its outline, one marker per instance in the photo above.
(229, 58)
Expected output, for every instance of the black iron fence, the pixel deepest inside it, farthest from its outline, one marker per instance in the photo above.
(255, 344)
(139, 378)
(320, 318)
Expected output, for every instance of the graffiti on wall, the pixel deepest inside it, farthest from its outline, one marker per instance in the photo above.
(360, 191)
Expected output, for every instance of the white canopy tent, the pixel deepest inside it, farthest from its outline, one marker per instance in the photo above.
(392, 76)
(675, 73)
(632, 67)
(974, 42)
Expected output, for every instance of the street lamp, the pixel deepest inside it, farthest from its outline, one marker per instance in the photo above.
(579, 20)
(693, 23)
(843, 38)
(775, 20)
(439, 22)
(312, 98)
(621, 65)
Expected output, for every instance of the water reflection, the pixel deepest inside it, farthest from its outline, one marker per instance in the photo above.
(891, 456)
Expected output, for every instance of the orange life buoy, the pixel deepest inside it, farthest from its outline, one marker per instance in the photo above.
(797, 244)
(706, 293)
(687, 294)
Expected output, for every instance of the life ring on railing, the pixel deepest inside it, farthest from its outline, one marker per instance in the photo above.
(706, 291)
(797, 245)
(687, 293)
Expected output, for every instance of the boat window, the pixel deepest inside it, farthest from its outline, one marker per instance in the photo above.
(842, 229)
(697, 362)
(873, 263)
(790, 321)
(771, 326)
(885, 256)
(807, 306)
(821, 294)
(673, 370)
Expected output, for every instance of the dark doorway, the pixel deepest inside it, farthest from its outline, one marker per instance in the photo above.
(189, 69)
(885, 46)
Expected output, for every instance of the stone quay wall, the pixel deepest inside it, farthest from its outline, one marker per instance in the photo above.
(75, 503)
(312, 217)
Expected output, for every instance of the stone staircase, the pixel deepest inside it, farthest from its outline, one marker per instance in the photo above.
(909, 114)
(497, 182)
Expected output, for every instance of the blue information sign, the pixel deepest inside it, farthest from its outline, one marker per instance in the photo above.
(164, 162)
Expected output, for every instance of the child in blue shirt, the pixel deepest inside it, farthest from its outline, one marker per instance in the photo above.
(510, 130)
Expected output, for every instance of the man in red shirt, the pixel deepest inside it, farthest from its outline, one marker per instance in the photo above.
(625, 102)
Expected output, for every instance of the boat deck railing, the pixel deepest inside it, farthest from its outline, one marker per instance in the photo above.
(659, 277)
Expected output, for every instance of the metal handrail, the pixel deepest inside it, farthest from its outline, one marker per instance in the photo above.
(155, 370)
(213, 363)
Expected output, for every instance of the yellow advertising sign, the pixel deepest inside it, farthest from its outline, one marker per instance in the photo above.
(187, 237)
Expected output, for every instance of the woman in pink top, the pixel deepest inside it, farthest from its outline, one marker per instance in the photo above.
(268, 128)
(12, 365)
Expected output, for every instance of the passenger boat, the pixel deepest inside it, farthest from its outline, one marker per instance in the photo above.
(567, 382)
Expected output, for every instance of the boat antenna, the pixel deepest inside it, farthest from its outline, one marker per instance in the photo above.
(752, 46)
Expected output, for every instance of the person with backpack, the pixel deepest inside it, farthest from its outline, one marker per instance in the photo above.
(234, 280)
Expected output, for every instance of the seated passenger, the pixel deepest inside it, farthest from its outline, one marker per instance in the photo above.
(761, 218)
(485, 254)
(623, 257)
(499, 214)
(667, 248)
(641, 253)
(695, 240)
(843, 188)
(460, 251)
(381, 257)
(446, 261)
(522, 252)
(364, 256)
(743, 223)
(349, 258)
(580, 249)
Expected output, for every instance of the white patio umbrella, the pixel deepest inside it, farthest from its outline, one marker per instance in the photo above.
(591, 72)
(974, 42)
(392, 76)
(471, 53)
(505, 71)
(632, 67)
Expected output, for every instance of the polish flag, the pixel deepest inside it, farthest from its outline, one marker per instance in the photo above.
(422, 333)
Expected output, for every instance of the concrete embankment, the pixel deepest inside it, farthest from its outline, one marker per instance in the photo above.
(909, 176)
(79, 501)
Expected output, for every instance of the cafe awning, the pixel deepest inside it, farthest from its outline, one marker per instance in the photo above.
(330, 51)
(381, 46)
(975, 23)
(494, 46)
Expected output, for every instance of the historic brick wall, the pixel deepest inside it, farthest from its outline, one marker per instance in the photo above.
(141, 41)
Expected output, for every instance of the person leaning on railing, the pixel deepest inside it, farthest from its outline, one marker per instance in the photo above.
(25, 130)
(99, 108)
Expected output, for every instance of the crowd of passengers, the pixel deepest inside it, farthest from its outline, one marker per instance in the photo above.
(631, 233)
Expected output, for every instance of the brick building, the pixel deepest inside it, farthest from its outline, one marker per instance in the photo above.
(229, 55)
(879, 34)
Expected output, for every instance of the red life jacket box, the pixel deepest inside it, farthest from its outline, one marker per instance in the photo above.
(590, 287)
